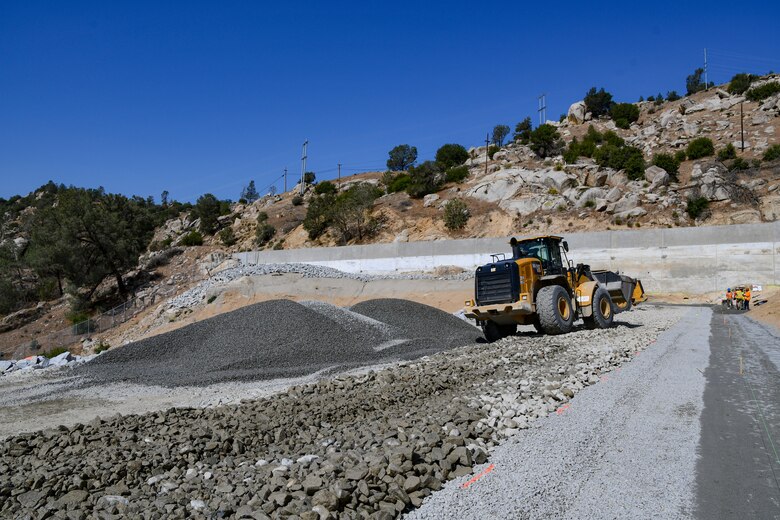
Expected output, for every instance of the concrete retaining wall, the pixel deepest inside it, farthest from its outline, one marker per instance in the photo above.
(694, 260)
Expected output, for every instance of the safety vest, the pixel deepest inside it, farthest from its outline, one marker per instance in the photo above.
(747, 295)
(740, 296)
(728, 295)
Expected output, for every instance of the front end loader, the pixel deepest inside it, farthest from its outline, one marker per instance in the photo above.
(540, 286)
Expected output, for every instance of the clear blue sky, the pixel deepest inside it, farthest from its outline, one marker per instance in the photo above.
(195, 97)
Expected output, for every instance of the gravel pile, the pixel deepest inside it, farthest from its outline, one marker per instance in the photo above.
(197, 294)
(367, 446)
(280, 338)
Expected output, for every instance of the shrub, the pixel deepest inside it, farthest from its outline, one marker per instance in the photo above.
(763, 92)
(262, 217)
(325, 187)
(193, 238)
(457, 174)
(399, 183)
(450, 155)
(672, 95)
(211, 299)
(668, 162)
(492, 149)
(523, 131)
(612, 138)
(227, 237)
(309, 177)
(297, 200)
(572, 152)
(626, 158)
(700, 147)
(696, 207)
(545, 141)
(598, 102)
(424, 179)
(624, 114)
(264, 233)
(739, 164)
(456, 214)
(590, 203)
(659, 99)
(727, 152)
(680, 155)
(279, 245)
(401, 157)
(740, 83)
(102, 347)
(756, 163)
(772, 153)
(55, 352)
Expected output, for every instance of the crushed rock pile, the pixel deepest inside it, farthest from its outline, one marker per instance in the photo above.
(365, 446)
(282, 338)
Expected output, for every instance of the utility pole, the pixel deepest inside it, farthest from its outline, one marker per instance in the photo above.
(285, 180)
(339, 183)
(303, 165)
(742, 126)
(706, 82)
(487, 149)
(542, 109)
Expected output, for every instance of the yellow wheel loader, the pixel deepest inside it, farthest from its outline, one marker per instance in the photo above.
(540, 286)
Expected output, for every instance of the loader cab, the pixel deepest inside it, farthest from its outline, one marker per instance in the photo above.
(547, 249)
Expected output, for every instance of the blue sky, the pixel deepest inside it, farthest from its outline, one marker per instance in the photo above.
(195, 97)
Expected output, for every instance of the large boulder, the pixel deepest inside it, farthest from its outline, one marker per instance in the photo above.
(559, 180)
(522, 206)
(590, 196)
(577, 111)
(430, 199)
(624, 205)
(651, 172)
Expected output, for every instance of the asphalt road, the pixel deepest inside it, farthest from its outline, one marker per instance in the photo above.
(738, 471)
(689, 429)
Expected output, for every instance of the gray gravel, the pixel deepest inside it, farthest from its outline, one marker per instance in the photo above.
(361, 446)
(625, 448)
(279, 338)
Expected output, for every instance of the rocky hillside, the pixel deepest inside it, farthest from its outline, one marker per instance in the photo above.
(519, 192)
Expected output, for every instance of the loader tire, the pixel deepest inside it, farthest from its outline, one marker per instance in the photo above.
(553, 305)
(603, 311)
(494, 332)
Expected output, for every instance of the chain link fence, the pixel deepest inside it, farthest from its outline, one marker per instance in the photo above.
(78, 332)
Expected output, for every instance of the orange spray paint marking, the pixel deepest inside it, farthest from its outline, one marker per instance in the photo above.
(562, 409)
(479, 476)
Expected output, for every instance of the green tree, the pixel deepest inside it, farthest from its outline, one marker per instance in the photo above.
(545, 141)
(351, 212)
(450, 155)
(208, 209)
(727, 152)
(499, 134)
(523, 131)
(772, 153)
(598, 102)
(693, 83)
(249, 193)
(672, 95)
(309, 177)
(424, 178)
(624, 114)
(227, 236)
(762, 92)
(164, 197)
(401, 157)
(103, 232)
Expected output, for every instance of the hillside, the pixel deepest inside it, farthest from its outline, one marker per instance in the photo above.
(579, 186)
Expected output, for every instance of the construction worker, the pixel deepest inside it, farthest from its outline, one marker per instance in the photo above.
(747, 298)
(740, 298)
(729, 298)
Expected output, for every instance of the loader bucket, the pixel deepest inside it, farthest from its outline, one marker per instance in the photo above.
(623, 290)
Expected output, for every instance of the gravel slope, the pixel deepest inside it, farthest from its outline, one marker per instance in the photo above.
(372, 445)
(625, 448)
(281, 338)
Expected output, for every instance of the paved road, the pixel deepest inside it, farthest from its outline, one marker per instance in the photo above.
(739, 467)
(679, 432)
